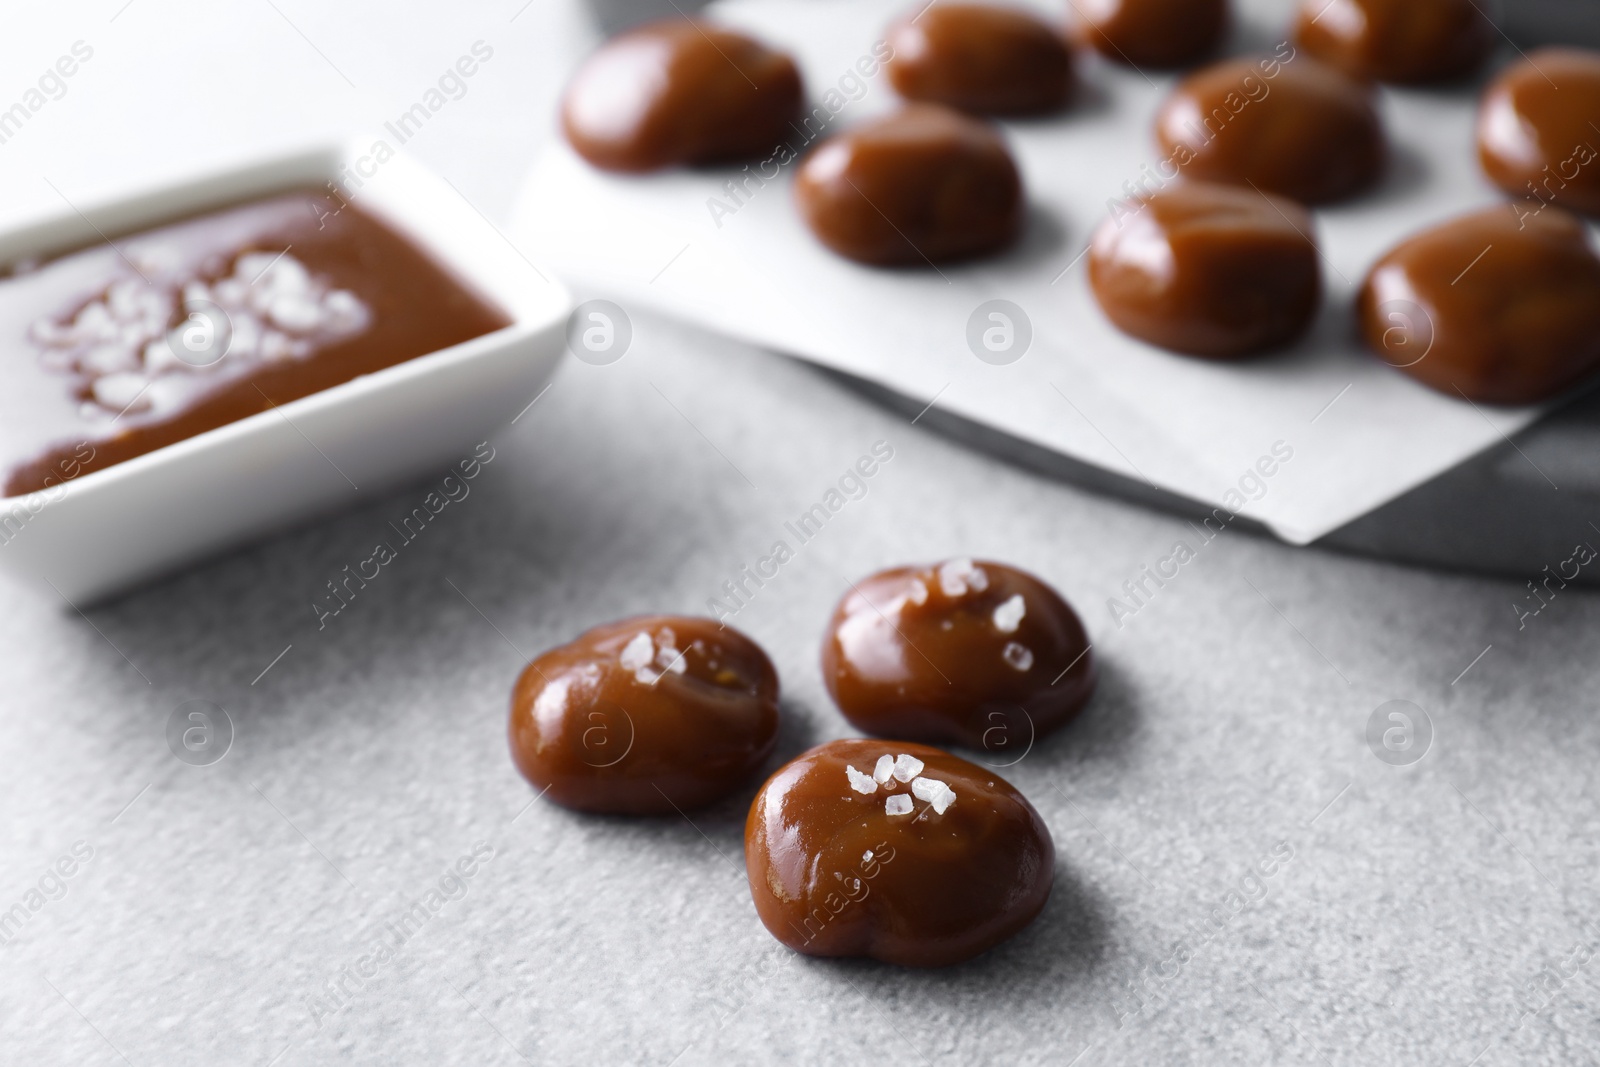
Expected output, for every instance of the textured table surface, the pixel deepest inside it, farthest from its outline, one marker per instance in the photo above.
(231, 913)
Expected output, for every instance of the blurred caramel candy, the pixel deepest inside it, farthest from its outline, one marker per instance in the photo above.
(1291, 126)
(923, 185)
(677, 92)
(1404, 41)
(1210, 270)
(1153, 33)
(981, 59)
(1491, 306)
(1537, 129)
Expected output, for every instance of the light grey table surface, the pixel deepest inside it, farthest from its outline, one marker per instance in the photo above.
(1426, 914)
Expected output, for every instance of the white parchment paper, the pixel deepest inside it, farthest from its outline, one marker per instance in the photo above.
(741, 262)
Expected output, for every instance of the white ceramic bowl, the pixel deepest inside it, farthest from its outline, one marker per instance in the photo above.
(114, 528)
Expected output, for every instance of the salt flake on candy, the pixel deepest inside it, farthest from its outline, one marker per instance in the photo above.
(1020, 657)
(636, 656)
(956, 576)
(1008, 616)
(906, 767)
(937, 793)
(884, 770)
(861, 783)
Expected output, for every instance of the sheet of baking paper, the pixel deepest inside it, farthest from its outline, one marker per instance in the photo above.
(741, 262)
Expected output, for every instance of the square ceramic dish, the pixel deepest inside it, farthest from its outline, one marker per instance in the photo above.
(108, 530)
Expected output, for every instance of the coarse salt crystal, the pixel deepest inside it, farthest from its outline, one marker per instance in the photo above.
(668, 658)
(246, 340)
(95, 321)
(866, 857)
(344, 310)
(231, 292)
(53, 334)
(638, 652)
(120, 390)
(254, 264)
(916, 592)
(123, 298)
(276, 345)
(170, 391)
(906, 767)
(295, 313)
(1008, 616)
(956, 576)
(1020, 657)
(158, 357)
(636, 656)
(279, 273)
(861, 783)
(937, 793)
(898, 804)
(884, 769)
(107, 359)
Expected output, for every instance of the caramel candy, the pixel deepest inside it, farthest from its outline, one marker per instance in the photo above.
(1153, 33)
(1295, 127)
(970, 653)
(1537, 133)
(1210, 270)
(645, 716)
(981, 59)
(1404, 41)
(896, 851)
(1500, 309)
(680, 91)
(923, 185)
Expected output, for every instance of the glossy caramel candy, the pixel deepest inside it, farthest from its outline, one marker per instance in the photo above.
(1295, 127)
(1408, 42)
(1209, 270)
(680, 91)
(896, 851)
(1537, 129)
(645, 716)
(1165, 34)
(924, 185)
(1495, 307)
(965, 652)
(981, 59)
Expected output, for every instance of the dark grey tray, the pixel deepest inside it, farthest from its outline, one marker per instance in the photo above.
(1513, 509)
